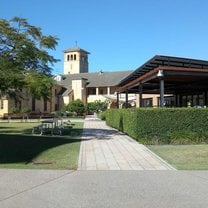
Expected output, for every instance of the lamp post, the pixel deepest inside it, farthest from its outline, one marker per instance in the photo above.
(160, 76)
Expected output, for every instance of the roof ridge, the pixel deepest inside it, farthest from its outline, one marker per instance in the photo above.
(96, 72)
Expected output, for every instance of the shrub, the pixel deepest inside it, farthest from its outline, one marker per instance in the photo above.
(76, 106)
(96, 106)
(15, 110)
(161, 125)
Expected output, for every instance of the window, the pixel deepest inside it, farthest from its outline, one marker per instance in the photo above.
(193, 100)
(56, 107)
(45, 105)
(33, 104)
(103, 91)
(71, 57)
(201, 100)
(2, 104)
(169, 101)
(75, 57)
(92, 91)
(184, 101)
(112, 90)
(20, 105)
(147, 102)
(15, 104)
(68, 57)
(58, 78)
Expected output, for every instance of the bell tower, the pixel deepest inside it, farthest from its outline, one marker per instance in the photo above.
(75, 61)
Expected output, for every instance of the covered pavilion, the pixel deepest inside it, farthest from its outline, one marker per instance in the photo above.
(185, 79)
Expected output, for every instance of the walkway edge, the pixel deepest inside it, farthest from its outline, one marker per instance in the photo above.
(162, 160)
(105, 148)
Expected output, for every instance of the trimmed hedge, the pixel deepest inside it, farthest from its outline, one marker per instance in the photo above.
(162, 125)
(101, 115)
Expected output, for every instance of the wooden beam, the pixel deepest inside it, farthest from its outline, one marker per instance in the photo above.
(154, 72)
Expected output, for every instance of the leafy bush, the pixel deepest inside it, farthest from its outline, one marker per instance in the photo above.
(162, 125)
(15, 110)
(76, 106)
(26, 110)
(97, 106)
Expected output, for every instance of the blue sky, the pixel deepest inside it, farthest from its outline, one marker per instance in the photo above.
(119, 34)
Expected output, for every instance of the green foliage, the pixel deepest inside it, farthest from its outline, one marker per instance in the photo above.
(102, 115)
(25, 110)
(162, 125)
(96, 106)
(76, 106)
(39, 85)
(24, 54)
(15, 110)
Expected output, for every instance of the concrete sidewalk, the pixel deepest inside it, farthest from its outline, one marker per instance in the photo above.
(104, 148)
(103, 189)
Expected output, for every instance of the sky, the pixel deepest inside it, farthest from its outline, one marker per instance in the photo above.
(119, 34)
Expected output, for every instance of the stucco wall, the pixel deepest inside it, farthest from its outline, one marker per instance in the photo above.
(77, 89)
(5, 107)
(144, 96)
(80, 65)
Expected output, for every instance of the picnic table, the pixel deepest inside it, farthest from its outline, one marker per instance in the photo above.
(51, 127)
(47, 127)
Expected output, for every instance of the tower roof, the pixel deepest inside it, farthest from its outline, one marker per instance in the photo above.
(76, 49)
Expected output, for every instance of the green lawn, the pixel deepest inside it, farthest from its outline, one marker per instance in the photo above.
(20, 149)
(183, 157)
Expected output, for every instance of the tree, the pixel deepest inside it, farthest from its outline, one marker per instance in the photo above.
(24, 58)
(76, 106)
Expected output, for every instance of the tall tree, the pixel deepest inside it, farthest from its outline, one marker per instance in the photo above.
(24, 58)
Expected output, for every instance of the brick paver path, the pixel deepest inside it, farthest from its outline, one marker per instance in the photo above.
(104, 148)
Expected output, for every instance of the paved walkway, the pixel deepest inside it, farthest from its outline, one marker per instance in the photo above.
(104, 148)
(103, 189)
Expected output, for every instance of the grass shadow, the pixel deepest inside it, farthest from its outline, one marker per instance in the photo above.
(99, 133)
(16, 148)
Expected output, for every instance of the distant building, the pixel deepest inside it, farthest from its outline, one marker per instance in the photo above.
(161, 81)
(75, 61)
(75, 83)
(174, 82)
(78, 83)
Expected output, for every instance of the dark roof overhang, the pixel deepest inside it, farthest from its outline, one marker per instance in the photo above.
(177, 73)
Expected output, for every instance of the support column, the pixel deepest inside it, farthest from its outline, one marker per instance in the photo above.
(162, 90)
(140, 95)
(160, 76)
(127, 101)
(108, 90)
(117, 100)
